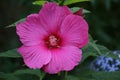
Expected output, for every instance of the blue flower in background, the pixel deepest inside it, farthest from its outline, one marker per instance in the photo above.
(109, 64)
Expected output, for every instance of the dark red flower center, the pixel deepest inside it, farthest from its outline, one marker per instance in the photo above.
(53, 41)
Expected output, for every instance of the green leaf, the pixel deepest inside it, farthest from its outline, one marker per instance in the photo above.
(89, 51)
(14, 24)
(8, 76)
(103, 49)
(93, 75)
(106, 52)
(74, 9)
(39, 2)
(71, 77)
(85, 11)
(68, 2)
(110, 54)
(95, 47)
(106, 75)
(36, 72)
(10, 53)
(27, 71)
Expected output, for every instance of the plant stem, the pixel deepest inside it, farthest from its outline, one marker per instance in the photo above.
(42, 75)
(64, 75)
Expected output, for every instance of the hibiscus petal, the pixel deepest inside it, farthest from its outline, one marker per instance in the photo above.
(65, 58)
(52, 15)
(35, 56)
(74, 31)
(31, 32)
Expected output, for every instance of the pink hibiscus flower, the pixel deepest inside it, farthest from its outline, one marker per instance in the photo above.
(52, 39)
